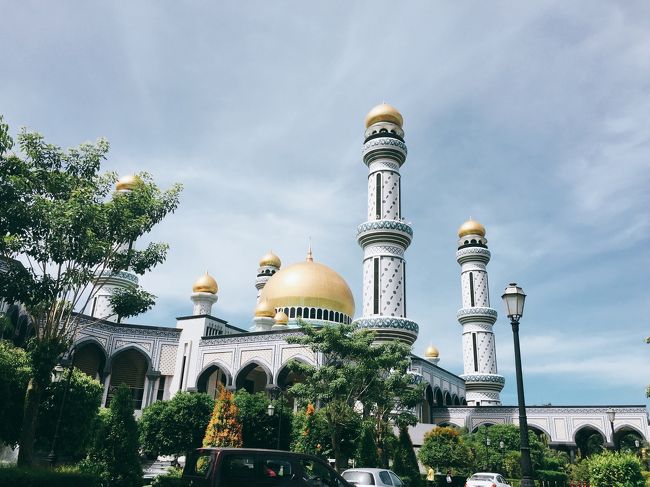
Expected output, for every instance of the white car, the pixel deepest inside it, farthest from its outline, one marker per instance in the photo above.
(370, 477)
(486, 479)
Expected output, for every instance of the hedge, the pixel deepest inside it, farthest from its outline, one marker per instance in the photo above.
(34, 477)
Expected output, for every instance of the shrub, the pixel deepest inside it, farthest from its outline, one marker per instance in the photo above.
(366, 454)
(171, 479)
(115, 455)
(405, 463)
(615, 470)
(22, 477)
(552, 475)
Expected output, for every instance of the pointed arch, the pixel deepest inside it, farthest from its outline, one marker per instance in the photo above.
(254, 376)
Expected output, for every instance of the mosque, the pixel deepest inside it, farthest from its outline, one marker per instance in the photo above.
(204, 350)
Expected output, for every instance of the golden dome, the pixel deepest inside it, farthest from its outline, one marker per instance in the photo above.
(281, 318)
(471, 227)
(205, 284)
(264, 309)
(431, 352)
(310, 284)
(127, 183)
(384, 113)
(270, 259)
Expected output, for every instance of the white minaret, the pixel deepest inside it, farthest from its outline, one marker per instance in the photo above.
(263, 318)
(111, 281)
(385, 236)
(204, 295)
(269, 265)
(482, 382)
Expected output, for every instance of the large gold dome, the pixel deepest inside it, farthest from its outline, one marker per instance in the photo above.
(309, 284)
(384, 113)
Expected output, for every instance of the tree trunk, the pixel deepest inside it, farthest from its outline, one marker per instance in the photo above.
(30, 416)
(336, 444)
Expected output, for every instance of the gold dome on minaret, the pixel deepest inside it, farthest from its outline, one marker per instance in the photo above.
(128, 182)
(270, 259)
(431, 352)
(384, 113)
(281, 318)
(471, 227)
(205, 284)
(264, 309)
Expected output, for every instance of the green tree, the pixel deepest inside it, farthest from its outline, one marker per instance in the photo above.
(14, 375)
(115, 454)
(355, 370)
(366, 454)
(78, 415)
(131, 302)
(405, 463)
(444, 448)
(224, 428)
(177, 426)
(259, 430)
(60, 228)
(615, 470)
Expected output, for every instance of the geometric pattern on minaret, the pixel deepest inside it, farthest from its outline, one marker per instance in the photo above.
(482, 381)
(384, 237)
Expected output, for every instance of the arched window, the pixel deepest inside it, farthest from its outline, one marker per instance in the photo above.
(319, 314)
(331, 317)
(293, 313)
(299, 312)
(312, 313)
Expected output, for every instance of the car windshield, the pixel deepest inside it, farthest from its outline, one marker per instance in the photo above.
(364, 478)
(482, 477)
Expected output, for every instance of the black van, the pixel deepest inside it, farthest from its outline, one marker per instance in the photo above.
(249, 467)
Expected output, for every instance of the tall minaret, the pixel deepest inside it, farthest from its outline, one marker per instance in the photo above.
(385, 236)
(269, 265)
(111, 281)
(482, 382)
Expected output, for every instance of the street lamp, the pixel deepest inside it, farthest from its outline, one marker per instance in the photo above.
(275, 393)
(57, 375)
(514, 299)
(487, 451)
(611, 416)
(502, 445)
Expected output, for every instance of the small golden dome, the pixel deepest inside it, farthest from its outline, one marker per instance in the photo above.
(270, 259)
(264, 309)
(384, 113)
(205, 284)
(281, 318)
(471, 227)
(431, 352)
(310, 284)
(128, 182)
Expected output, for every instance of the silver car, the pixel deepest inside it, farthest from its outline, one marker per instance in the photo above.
(486, 479)
(362, 477)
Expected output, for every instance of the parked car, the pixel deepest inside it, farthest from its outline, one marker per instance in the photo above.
(362, 477)
(248, 467)
(487, 479)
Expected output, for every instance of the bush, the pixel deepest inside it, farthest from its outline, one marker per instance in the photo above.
(22, 477)
(615, 470)
(115, 455)
(171, 479)
(552, 475)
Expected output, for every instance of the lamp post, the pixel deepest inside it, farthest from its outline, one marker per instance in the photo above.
(611, 416)
(514, 299)
(487, 451)
(502, 445)
(275, 393)
(58, 373)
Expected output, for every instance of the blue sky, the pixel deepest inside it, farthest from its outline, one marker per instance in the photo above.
(531, 117)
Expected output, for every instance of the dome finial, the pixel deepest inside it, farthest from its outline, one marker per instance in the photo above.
(310, 255)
